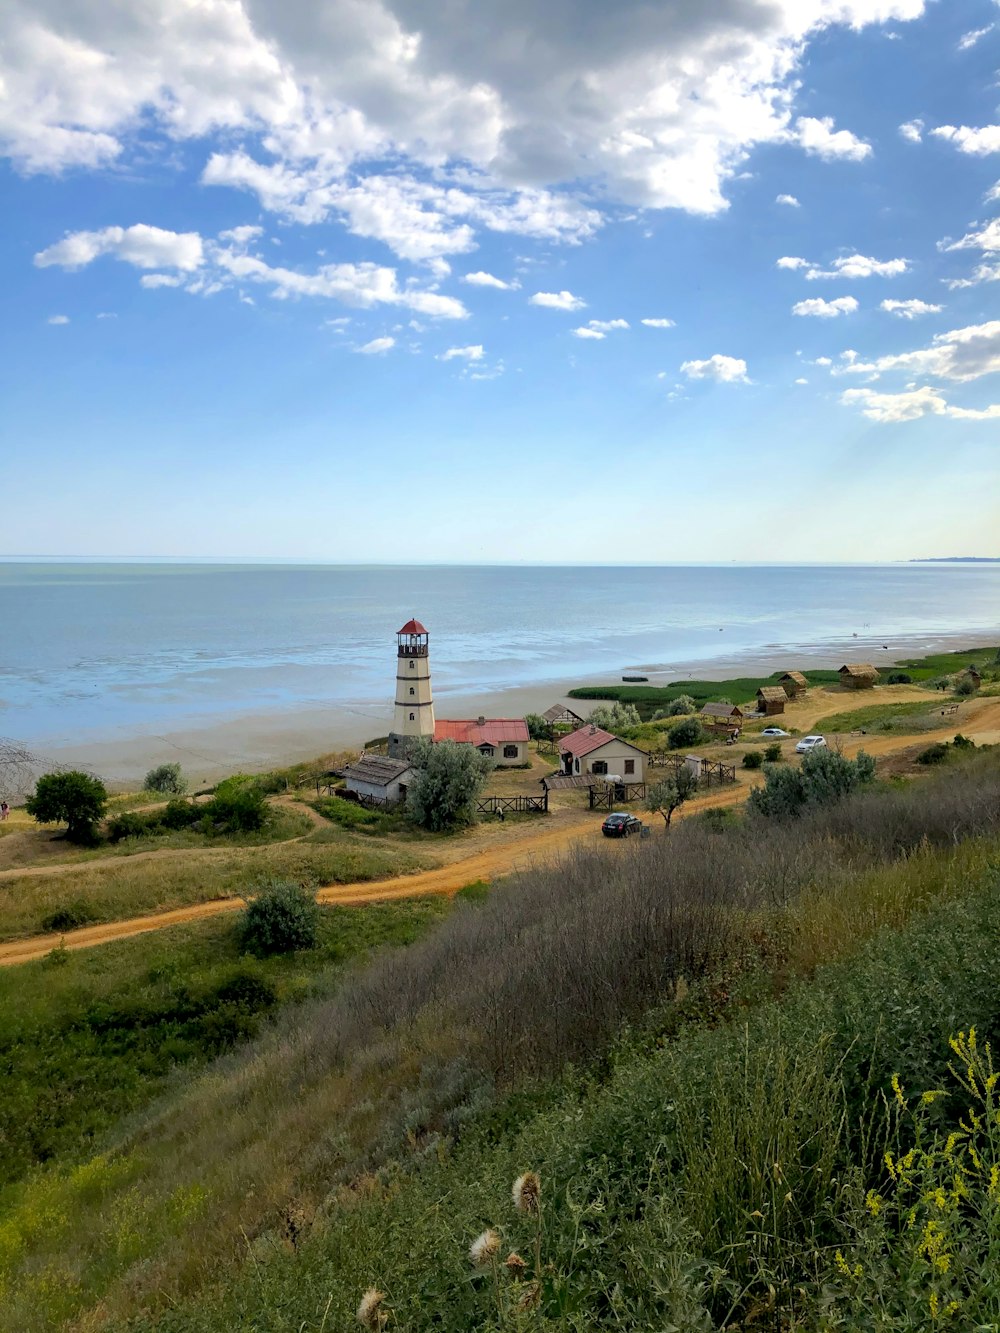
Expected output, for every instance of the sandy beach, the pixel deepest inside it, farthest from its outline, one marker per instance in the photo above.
(209, 749)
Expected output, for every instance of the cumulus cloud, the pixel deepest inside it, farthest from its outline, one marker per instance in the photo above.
(978, 142)
(911, 404)
(981, 273)
(584, 331)
(557, 300)
(58, 319)
(154, 280)
(377, 346)
(658, 323)
(820, 309)
(986, 239)
(791, 262)
(909, 309)
(913, 130)
(241, 235)
(474, 353)
(960, 354)
(800, 380)
(724, 369)
(789, 200)
(860, 266)
(818, 136)
(992, 194)
(480, 279)
(659, 104)
(142, 246)
(608, 325)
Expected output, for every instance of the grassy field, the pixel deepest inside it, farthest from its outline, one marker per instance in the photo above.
(646, 1031)
(901, 717)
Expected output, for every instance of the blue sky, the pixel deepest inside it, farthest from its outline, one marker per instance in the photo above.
(482, 282)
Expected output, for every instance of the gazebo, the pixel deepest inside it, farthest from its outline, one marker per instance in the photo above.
(721, 717)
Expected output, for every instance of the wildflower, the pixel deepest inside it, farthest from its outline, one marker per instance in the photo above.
(890, 1165)
(842, 1265)
(527, 1193)
(928, 1098)
(950, 1309)
(483, 1249)
(873, 1202)
(370, 1311)
(934, 1305)
(994, 1180)
(515, 1265)
(898, 1090)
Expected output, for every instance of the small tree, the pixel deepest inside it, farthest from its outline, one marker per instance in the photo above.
(663, 798)
(74, 799)
(538, 728)
(449, 778)
(615, 717)
(823, 778)
(282, 918)
(965, 685)
(238, 805)
(684, 734)
(167, 779)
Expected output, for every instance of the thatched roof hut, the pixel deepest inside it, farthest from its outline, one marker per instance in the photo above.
(771, 699)
(793, 683)
(858, 676)
(716, 713)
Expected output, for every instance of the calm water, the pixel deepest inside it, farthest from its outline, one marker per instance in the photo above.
(115, 648)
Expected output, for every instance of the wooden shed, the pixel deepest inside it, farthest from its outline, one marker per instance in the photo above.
(721, 717)
(793, 683)
(771, 699)
(858, 676)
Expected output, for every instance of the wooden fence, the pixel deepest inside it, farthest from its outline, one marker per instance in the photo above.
(713, 772)
(610, 794)
(513, 805)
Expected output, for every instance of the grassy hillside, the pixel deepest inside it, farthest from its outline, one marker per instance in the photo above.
(690, 1042)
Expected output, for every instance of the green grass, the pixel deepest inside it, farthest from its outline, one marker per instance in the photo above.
(947, 664)
(889, 717)
(648, 698)
(350, 815)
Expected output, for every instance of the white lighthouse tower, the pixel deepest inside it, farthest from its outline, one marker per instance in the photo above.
(414, 715)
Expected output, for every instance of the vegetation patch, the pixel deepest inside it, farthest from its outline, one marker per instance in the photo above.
(903, 717)
(648, 699)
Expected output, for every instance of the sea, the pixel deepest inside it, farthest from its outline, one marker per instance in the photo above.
(111, 649)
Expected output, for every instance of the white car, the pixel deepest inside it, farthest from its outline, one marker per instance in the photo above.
(809, 743)
(774, 731)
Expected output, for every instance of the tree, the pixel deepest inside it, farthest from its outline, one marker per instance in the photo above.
(282, 917)
(74, 799)
(449, 778)
(167, 779)
(663, 798)
(684, 734)
(538, 728)
(238, 805)
(615, 717)
(823, 778)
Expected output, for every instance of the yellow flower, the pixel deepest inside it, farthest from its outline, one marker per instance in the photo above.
(842, 1264)
(934, 1305)
(873, 1202)
(890, 1165)
(898, 1090)
(994, 1180)
(928, 1098)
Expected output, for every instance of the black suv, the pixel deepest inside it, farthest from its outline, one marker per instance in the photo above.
(620, 826)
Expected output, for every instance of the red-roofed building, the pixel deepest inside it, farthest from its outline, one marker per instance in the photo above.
(502, 739)
(593, 750)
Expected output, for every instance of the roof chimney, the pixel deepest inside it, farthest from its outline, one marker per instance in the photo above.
(481, 721)
(593, 730)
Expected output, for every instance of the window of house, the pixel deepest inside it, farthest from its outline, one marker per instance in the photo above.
(599, 766)
(629, 765)
(510, 751)
(576, 765)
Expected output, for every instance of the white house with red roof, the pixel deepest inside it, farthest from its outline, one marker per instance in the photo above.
(593, 750)
(502, 739)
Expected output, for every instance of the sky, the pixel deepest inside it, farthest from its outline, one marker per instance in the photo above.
(365, 280)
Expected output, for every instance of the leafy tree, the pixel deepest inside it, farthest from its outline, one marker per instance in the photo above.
(615, 717)
(282, 918)
(899, 678)
(663, 798)
(448, 779)
(684, 734)
(681, 706)
(238, 805)
(772, 753)
(167, 780)
(538, 728)
(823, 778)
(74, 799)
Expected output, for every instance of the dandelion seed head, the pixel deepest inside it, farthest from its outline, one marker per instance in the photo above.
(514, 1264)
(370, 1312)
(484, 1248)
(527, 1193)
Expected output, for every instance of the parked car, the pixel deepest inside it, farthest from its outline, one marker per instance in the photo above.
(619, 825)
(808, 743)
(774, 731)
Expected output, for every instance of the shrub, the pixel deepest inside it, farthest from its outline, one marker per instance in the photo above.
(69, 917)
(663, 798)
(899, 678)
(934, 754)
(238, 806)
(772, 753)
(753, 759)
(166, 779)
(963, 743)
(615, 717)
(128, 825)
(824, 778)
(964, 685)
(74, 799)
(684, 734)
(678, 707)
(180, 814)
(282, 918)
(448, 779)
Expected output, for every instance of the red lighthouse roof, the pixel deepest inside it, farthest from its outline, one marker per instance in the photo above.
(412, 627)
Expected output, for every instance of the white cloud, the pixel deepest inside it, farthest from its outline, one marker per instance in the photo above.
(725, 369)
(143, 246)
(960, 354)
(841, 305)
(377, 346)
(909, 309)
(608, 325)
(801, 381)
(585, 332)
(912, 404)
(971, 38)
(241, 235)
(791, 262)
(992, 194)
(981, 273)
(480, 279)
(660, 104)
(789, 200)
(153, 280)
(978, 142)
(58, 319)
(860, 266)
(557, 300)
(658, 323)
(463, 353)
(913, 130)
(818, 136)
(987, 239)
(823, 361)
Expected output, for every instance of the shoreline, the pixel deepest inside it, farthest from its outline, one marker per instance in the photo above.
(213, 748)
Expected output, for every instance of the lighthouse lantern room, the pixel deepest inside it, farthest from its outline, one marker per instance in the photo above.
(414, 713)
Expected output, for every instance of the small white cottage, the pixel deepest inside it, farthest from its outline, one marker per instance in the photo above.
(376, 778)
(593, 750)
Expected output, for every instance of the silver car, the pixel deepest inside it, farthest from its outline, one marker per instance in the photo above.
(809, 743)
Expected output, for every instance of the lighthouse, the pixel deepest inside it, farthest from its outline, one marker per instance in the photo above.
(414, 713)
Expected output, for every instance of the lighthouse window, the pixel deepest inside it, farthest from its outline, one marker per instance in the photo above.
(411, 666)
(412, 690)
(413, 717)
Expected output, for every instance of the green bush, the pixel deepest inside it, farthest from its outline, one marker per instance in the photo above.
(75, 799)
(678, 707)
(70, 917)
(448, 780)
(823, 778)
(899, 678)
(934, 754)
(180, 814)
(615, 717)
(349, 814)
(238, 806)
(538, 728)
(684, 734)
(282, 918)
(964, 685)
(772, 753)
(753, 759)
(167, 779)
(128, 825)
